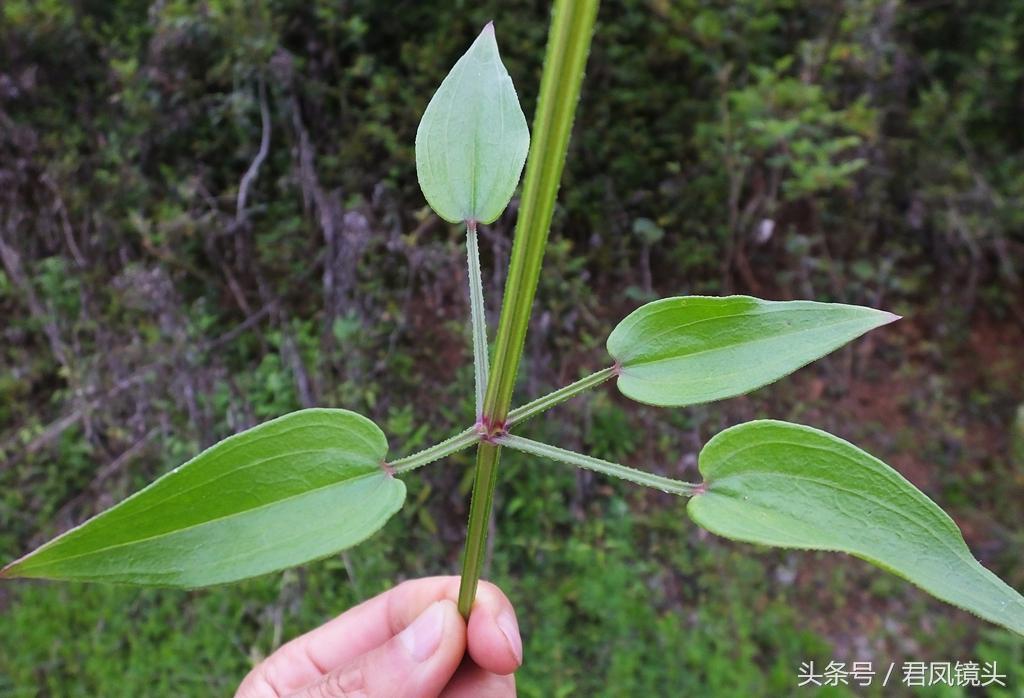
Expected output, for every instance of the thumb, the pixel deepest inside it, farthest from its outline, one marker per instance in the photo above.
(418, 662)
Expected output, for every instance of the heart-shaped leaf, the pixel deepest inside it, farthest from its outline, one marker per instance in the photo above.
(792, 486)
(291, 490)
(472, 140)
(694, 349)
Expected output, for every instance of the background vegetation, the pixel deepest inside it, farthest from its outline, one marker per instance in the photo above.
(209, 216)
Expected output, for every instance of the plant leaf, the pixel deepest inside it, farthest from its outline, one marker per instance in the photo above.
(291, 490)
(694, 349)
(792, 486)
(472, 140)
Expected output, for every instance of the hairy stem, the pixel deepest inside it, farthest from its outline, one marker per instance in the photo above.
(572, 26)
(466, 438)
(542, 404)
(478, 317)
(462, 440)
(658, 482)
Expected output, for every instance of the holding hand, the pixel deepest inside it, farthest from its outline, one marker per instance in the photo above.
(408, 641)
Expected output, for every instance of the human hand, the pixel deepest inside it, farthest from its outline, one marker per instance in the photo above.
(408, 641)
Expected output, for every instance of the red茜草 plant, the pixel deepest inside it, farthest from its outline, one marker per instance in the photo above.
(314, 482)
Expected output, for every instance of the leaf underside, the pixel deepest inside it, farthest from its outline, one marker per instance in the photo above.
(792, 486)
(283, 493)
(695, 349)
(472, 141)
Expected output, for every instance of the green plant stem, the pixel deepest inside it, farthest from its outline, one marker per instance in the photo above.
(572, 27)
(487, 456)
(542, 404)
(478, 317)
(462, 440)
(658, 482)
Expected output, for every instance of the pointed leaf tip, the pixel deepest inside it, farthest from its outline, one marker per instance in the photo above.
(283, 493)
(695, 349)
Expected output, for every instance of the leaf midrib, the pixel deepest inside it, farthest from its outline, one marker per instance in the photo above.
(956, 550)
(972, 606)
(164, 534)
(174, 579)
(629, 363)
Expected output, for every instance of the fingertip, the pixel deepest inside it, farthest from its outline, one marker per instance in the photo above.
(508, 624)
(471, 681)
(423, 637)
(491, 594)
(454, 625)
(453, 637)
(439, 668)
(445, 633)
(493, 633)
(433, 646)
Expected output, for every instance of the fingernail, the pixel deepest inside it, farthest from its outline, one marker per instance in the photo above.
(423, 636)
(510, 629)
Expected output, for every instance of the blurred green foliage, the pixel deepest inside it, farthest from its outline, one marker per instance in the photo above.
(865, 151)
